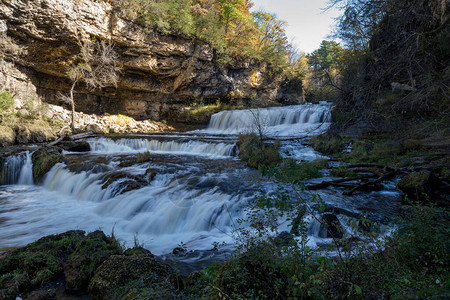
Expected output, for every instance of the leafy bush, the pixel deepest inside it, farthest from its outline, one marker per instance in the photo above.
(342, 172)
(292, 170)
(253, 151)
(6, 102)
(367, 151)
(327, 145)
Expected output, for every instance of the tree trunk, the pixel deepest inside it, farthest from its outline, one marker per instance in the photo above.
(72, 104)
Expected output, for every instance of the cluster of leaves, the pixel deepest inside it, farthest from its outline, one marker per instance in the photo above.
(411, 263)
(258, 155)
(228, 25)
(6, 102)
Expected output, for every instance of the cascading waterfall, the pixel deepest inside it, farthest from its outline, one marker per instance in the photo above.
(18, 169)
(106, 145)
(196, 197)
(276, 121)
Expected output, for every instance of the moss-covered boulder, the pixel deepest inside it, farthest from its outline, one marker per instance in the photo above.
(136, 276)
(44, 159)
(418, 185)
(36, 264)
(90, 253)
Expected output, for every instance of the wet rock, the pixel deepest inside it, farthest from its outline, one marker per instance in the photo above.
(179, 251)
(137, 276)
(75, 146)
(90, 253)
(330, 227)
(150, 174)
(44, 159)
(125, 182)
(418, 185)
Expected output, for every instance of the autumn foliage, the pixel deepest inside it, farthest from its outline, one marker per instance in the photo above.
(228, 25)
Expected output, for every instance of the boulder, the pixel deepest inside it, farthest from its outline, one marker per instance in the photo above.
(91, 252)
(330, 227)
(44, 159)
(75, 146)
(418, 185)
(138, 276)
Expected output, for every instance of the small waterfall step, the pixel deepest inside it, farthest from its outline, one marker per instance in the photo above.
(18, 169)
(193, 147)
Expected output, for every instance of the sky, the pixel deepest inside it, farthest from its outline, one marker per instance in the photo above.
(307, 25)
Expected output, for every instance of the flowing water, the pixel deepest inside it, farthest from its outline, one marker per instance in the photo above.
(190, 189)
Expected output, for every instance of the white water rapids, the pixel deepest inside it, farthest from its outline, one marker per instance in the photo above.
(199, 192)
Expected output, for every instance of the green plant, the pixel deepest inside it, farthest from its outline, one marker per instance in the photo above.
(143, 157)
(293, 171)
(257, 155)
(6, 102)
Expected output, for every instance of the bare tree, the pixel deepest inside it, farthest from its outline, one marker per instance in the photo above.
(259, 124)
(96, 66)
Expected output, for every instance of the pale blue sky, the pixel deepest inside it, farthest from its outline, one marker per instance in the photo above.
(308, 25)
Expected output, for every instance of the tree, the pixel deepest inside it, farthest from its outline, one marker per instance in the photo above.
(360, 20)
(96, 66)
(272, 40)
(233, 11)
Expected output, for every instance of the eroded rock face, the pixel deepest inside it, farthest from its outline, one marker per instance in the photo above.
(162, 74)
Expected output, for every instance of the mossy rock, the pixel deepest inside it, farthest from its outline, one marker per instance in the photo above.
(326, 144)
(138, 276)
(44, 159)
(418, 185)
(36, 264)
(90, 253)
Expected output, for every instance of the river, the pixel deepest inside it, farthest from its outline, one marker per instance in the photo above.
(190, 189)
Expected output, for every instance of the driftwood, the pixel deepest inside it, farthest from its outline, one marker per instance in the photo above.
(325, 184)
(74, 137)
(370, 183)
(379, 172)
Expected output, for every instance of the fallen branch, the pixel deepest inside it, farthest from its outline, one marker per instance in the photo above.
(366, 184)
(325, 184)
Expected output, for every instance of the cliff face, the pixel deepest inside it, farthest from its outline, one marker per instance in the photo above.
(161, 73)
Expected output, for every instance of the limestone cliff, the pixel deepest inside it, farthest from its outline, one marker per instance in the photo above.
(161, 74)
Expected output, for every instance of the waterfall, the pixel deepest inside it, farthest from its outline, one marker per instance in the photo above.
(106, 145)
(84, 186)
(276, 121)
(18, 169)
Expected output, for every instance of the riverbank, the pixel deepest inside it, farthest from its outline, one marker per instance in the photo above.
(37, 122)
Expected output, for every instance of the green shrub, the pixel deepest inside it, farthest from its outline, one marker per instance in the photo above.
(292, 171)
(326, 145)
(342, 172)
(253, 151)
(6, 102)
(383, 152)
